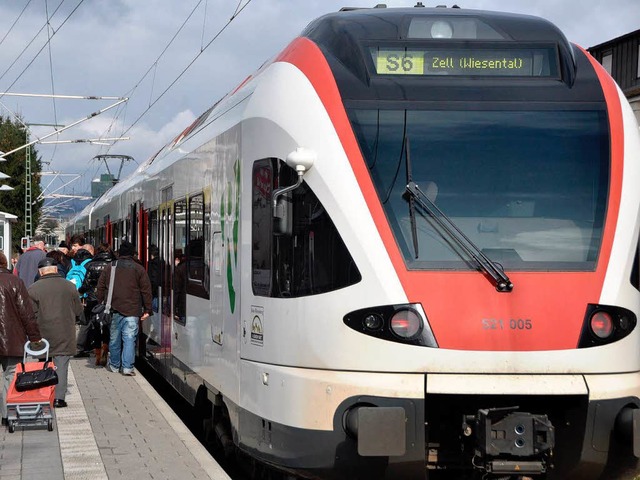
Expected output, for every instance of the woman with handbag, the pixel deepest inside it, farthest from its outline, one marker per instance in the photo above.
(56, 304)
(98, 338)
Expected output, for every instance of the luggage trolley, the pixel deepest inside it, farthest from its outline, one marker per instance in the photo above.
(31, 407)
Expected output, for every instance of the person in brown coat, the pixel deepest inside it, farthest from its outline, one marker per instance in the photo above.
(17, 324)
(56, 303)
(131, 303)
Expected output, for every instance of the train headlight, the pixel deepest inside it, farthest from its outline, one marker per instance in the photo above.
(604, 324)
(601, 324)
(373, 321)
(441, 29)
(401, 323)
(406, 324)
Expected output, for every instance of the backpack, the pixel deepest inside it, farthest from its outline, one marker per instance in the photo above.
(77, 272)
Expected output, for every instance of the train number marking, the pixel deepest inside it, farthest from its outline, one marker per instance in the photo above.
(511, 324)
(394, 62)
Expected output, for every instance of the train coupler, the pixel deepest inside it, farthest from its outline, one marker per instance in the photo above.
(506, 441)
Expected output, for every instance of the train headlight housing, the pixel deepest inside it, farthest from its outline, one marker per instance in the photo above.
(406, 323)
(605, 324)
(601, 324)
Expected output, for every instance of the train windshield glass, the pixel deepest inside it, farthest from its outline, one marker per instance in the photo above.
(528, 188)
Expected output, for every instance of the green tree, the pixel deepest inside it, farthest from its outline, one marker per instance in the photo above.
(13, 135)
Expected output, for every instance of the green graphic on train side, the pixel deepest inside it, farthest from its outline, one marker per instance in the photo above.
(230, 224)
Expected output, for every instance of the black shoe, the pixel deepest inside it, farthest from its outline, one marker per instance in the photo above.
(5, 422)
(58, 403)
(81, 355)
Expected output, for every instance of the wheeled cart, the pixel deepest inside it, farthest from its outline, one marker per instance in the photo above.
(32, 407)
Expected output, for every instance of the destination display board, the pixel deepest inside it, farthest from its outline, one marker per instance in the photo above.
(510, 62)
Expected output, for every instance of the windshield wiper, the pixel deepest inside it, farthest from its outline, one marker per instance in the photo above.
(495, 272)
(412, 207)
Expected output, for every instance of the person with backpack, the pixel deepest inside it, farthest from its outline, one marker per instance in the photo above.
(76, 274)
(78, 269)
(98, 338)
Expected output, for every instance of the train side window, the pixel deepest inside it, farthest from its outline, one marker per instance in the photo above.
(181, 262)
(308, 259)
(116, 235)
(133, 225)
(180, 259)
(261, 227)
(197, 253)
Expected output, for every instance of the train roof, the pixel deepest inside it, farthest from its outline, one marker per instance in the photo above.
(347, 39)
(397, 24)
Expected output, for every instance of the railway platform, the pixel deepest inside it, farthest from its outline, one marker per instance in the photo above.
(114, 427)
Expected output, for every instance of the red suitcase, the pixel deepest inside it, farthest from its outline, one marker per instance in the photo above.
(31, 407)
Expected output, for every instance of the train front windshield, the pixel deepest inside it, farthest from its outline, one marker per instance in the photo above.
(528, 188)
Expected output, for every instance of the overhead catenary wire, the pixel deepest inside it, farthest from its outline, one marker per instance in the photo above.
(43, 47)
(15, 22)
(239, 8)
(35, 37)
(94, 114)
(155, 62)
(121, 109)
(204, 23)
(53, 88)
(55, 176)
(68, 97)
(153, 67)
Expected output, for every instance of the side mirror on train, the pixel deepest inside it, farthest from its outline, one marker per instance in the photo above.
(301, 160)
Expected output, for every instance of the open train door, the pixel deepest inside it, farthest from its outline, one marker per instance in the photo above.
(159, 249)
(157, 328)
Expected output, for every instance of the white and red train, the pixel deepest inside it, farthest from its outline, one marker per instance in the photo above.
(410, 248)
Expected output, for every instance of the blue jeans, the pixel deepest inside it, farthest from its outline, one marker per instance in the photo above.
(124, 332)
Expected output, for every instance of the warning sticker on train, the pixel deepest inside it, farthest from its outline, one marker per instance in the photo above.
(257, 330)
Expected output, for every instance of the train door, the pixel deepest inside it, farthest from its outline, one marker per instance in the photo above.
(165, 251)
(136, 228)
(180, 261)
(108, 231)
(132, 227)
(142, 235)
(153, 327)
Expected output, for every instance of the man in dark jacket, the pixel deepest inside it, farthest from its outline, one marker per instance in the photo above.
(56, 304)
(17, 323)
(131, 303)
(98, 334)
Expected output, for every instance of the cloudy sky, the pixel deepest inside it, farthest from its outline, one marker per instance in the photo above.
(175, 58)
